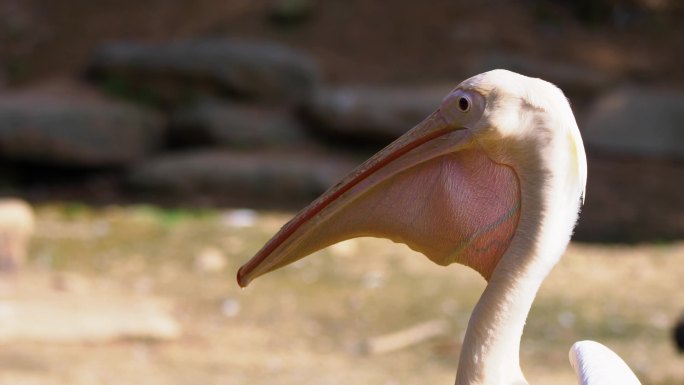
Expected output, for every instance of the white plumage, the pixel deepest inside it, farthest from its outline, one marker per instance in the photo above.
(595, 364)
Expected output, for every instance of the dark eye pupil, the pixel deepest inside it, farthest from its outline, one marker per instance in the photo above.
(463, 104)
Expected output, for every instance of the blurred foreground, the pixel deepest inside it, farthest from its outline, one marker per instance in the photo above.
(309, 323)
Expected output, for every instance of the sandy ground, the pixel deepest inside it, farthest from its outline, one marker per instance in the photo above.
(307, 324)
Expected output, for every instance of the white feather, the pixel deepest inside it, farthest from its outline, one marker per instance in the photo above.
(595, 364)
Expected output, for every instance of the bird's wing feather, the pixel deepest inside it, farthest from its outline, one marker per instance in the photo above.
(595, 364)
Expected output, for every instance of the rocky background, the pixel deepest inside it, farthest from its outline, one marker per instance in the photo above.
(265, 104)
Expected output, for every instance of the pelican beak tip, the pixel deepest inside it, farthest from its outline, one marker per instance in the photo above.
(241, 279)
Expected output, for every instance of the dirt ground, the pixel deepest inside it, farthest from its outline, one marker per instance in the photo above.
(307, 324)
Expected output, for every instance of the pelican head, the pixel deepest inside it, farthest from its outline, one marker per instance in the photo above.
(454, 187)
(493, 180)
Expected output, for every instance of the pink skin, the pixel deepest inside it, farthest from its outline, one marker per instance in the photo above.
(434, 189)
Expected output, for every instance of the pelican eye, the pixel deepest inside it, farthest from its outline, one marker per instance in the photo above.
(462, 108)
(463, 104)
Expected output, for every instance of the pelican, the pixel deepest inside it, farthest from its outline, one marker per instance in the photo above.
(494, 180)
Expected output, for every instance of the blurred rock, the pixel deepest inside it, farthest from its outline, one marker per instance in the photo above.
(47, 127)
(210, 259)
(16, 228)
(230, 307)
(373, 113)
(179, 70)
(632, 199)
(85, 319)
(574, 80)
(637, 121)
(566, 319)
(268, 179)
(234, 125)
(240, 218)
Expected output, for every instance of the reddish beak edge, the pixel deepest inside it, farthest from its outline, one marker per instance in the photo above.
(432, 127)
